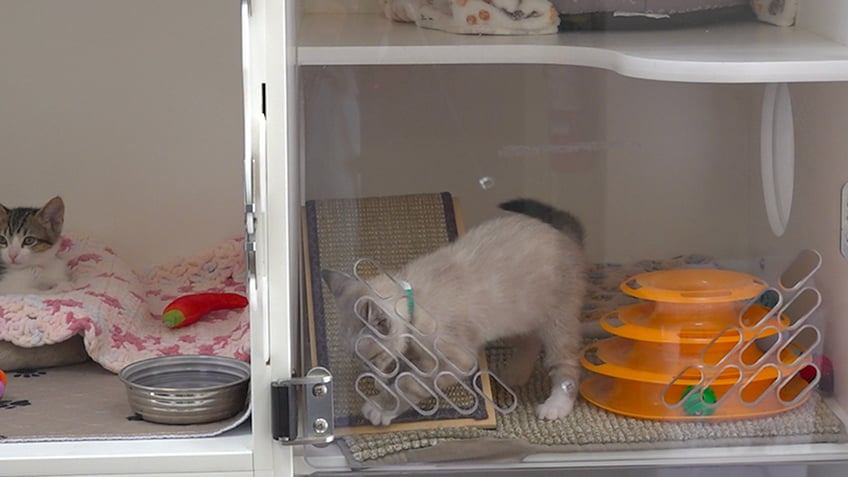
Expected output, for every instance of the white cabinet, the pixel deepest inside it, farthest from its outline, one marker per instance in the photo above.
(340, 102)
(133, 112)
(652, 137)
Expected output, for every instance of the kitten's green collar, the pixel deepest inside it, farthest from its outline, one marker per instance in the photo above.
(407, 290)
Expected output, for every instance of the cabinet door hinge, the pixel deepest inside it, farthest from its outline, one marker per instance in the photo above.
(302, 408)
(250, 240)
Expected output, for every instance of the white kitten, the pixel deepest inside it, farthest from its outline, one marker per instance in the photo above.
(519, 277)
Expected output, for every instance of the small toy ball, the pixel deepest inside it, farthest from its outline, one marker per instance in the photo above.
(696, 404)
(2, 383)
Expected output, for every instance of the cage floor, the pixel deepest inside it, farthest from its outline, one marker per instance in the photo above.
(82, 402)
(587, 428)
(392, 231)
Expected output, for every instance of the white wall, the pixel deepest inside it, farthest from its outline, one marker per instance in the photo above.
(653, 169)
(132, 111)
(677, 174)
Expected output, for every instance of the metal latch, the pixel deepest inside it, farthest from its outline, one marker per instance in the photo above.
(302, 408)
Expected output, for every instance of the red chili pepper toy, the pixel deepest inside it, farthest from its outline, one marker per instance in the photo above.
(188, 309)
(2, 383)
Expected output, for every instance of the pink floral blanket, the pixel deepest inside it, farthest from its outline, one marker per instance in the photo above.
(118, 311)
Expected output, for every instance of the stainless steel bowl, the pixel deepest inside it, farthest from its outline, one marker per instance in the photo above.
(187, 389)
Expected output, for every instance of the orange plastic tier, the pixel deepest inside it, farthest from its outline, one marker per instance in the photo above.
(680, 402)
(660, 363)
(694, 285)
(684, 324)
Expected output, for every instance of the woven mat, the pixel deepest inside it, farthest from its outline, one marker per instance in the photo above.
(82, 402)
(587, 428)
(391, 231)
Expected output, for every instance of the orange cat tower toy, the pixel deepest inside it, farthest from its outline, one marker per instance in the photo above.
(705, 344)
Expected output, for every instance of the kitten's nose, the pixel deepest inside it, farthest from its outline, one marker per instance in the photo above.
(13, 257)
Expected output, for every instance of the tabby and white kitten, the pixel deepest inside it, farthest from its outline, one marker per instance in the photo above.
(520, 277)
(29, 240)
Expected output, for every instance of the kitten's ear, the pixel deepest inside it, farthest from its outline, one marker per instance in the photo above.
(53, 214)
(338, 282)
(377, 319)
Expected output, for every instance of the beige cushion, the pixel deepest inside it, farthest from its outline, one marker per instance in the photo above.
(67, 352)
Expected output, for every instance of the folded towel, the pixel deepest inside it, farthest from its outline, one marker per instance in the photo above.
(476, 17)
(646, 7)
(776, 12)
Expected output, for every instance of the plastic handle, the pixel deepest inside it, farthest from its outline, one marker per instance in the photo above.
(777, 155)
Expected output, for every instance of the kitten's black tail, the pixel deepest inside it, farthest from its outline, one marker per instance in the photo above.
(559, 219)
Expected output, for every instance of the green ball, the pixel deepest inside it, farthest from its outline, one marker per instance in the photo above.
(696, 405)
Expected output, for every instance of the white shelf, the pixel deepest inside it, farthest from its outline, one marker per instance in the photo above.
(746, 52)
(230, 454)
(692, 457)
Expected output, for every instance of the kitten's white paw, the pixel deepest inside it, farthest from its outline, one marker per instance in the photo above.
(377, 416)
(557, 406)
